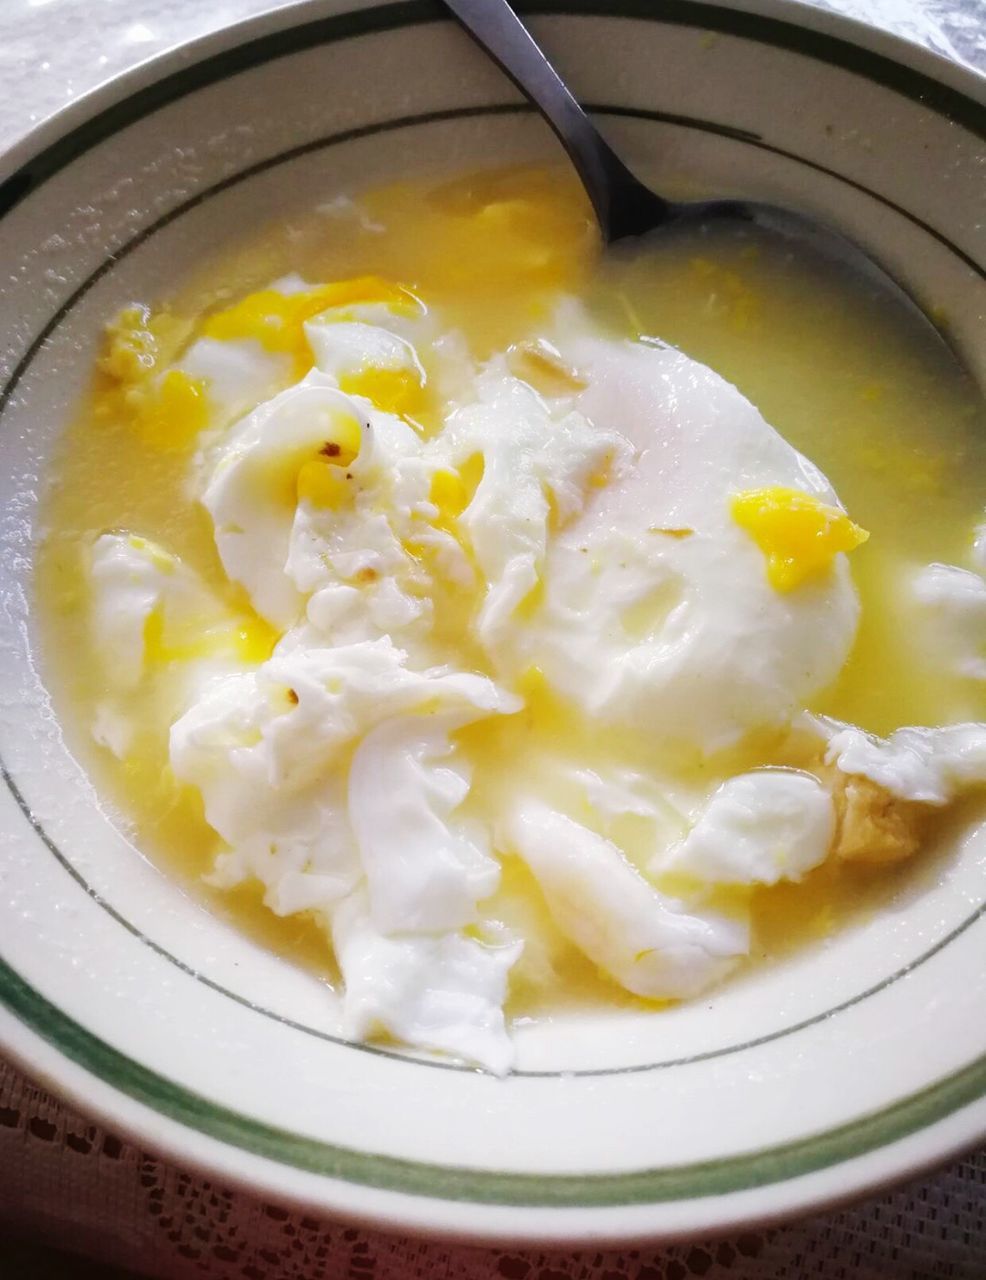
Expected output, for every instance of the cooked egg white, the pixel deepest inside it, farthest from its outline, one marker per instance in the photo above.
(331, 771)
(928, 766)
(757, 828)
(560, 600)
(160, 635)
(952, 601)
(441, 991)
(658, 608)
(650, 943)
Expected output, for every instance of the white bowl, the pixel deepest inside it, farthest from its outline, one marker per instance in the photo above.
(848, 1066)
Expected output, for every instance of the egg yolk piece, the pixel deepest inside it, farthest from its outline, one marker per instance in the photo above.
(322, 480)
(171, 413)
(276, 320)
(247, 640)
(799, 535)
(393, 390)
(140, 342)
(166, 409)
(452, 491)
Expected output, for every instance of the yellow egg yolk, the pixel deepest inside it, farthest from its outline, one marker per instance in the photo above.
(393, 390)
(139, 343)
(450, 494)
(322, 484)
(170, 412)
(276, 320)
(324, 480)
(167, 410)
(799, 535)
(248, 639)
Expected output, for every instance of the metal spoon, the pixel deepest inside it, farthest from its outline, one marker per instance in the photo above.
(624, 207)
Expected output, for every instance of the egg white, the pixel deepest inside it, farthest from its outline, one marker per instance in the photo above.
(597, 549)
(658, 612)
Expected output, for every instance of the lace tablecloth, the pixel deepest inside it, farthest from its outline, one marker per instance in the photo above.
(65, 1180)
(70, 1184)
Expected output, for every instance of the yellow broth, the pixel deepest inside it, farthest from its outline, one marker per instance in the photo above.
(841, 374)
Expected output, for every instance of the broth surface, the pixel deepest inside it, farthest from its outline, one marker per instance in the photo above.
(835, 370)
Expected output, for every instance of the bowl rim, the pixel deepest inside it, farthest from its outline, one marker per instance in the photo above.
(66, 133)
(61, 139)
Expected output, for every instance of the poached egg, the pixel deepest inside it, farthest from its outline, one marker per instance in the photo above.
(434, 567)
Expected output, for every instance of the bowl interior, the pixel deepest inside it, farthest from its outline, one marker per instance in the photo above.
(114, 968)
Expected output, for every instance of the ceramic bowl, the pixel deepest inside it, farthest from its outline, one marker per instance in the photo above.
(850, 1065)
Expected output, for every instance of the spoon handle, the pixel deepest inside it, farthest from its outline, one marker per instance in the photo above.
(623, 206)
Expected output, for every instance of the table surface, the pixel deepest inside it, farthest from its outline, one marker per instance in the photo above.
(67, 1187)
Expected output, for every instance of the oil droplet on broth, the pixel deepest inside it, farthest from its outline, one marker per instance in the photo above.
(843, 378)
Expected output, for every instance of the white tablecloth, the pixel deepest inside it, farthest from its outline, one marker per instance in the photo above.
(68, 1183)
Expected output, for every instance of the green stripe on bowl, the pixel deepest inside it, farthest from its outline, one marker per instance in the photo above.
(952, 103)
(349, 135)
(447, 1182)
(716, 1177)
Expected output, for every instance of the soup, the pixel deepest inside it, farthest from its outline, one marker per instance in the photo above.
(419, 596)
